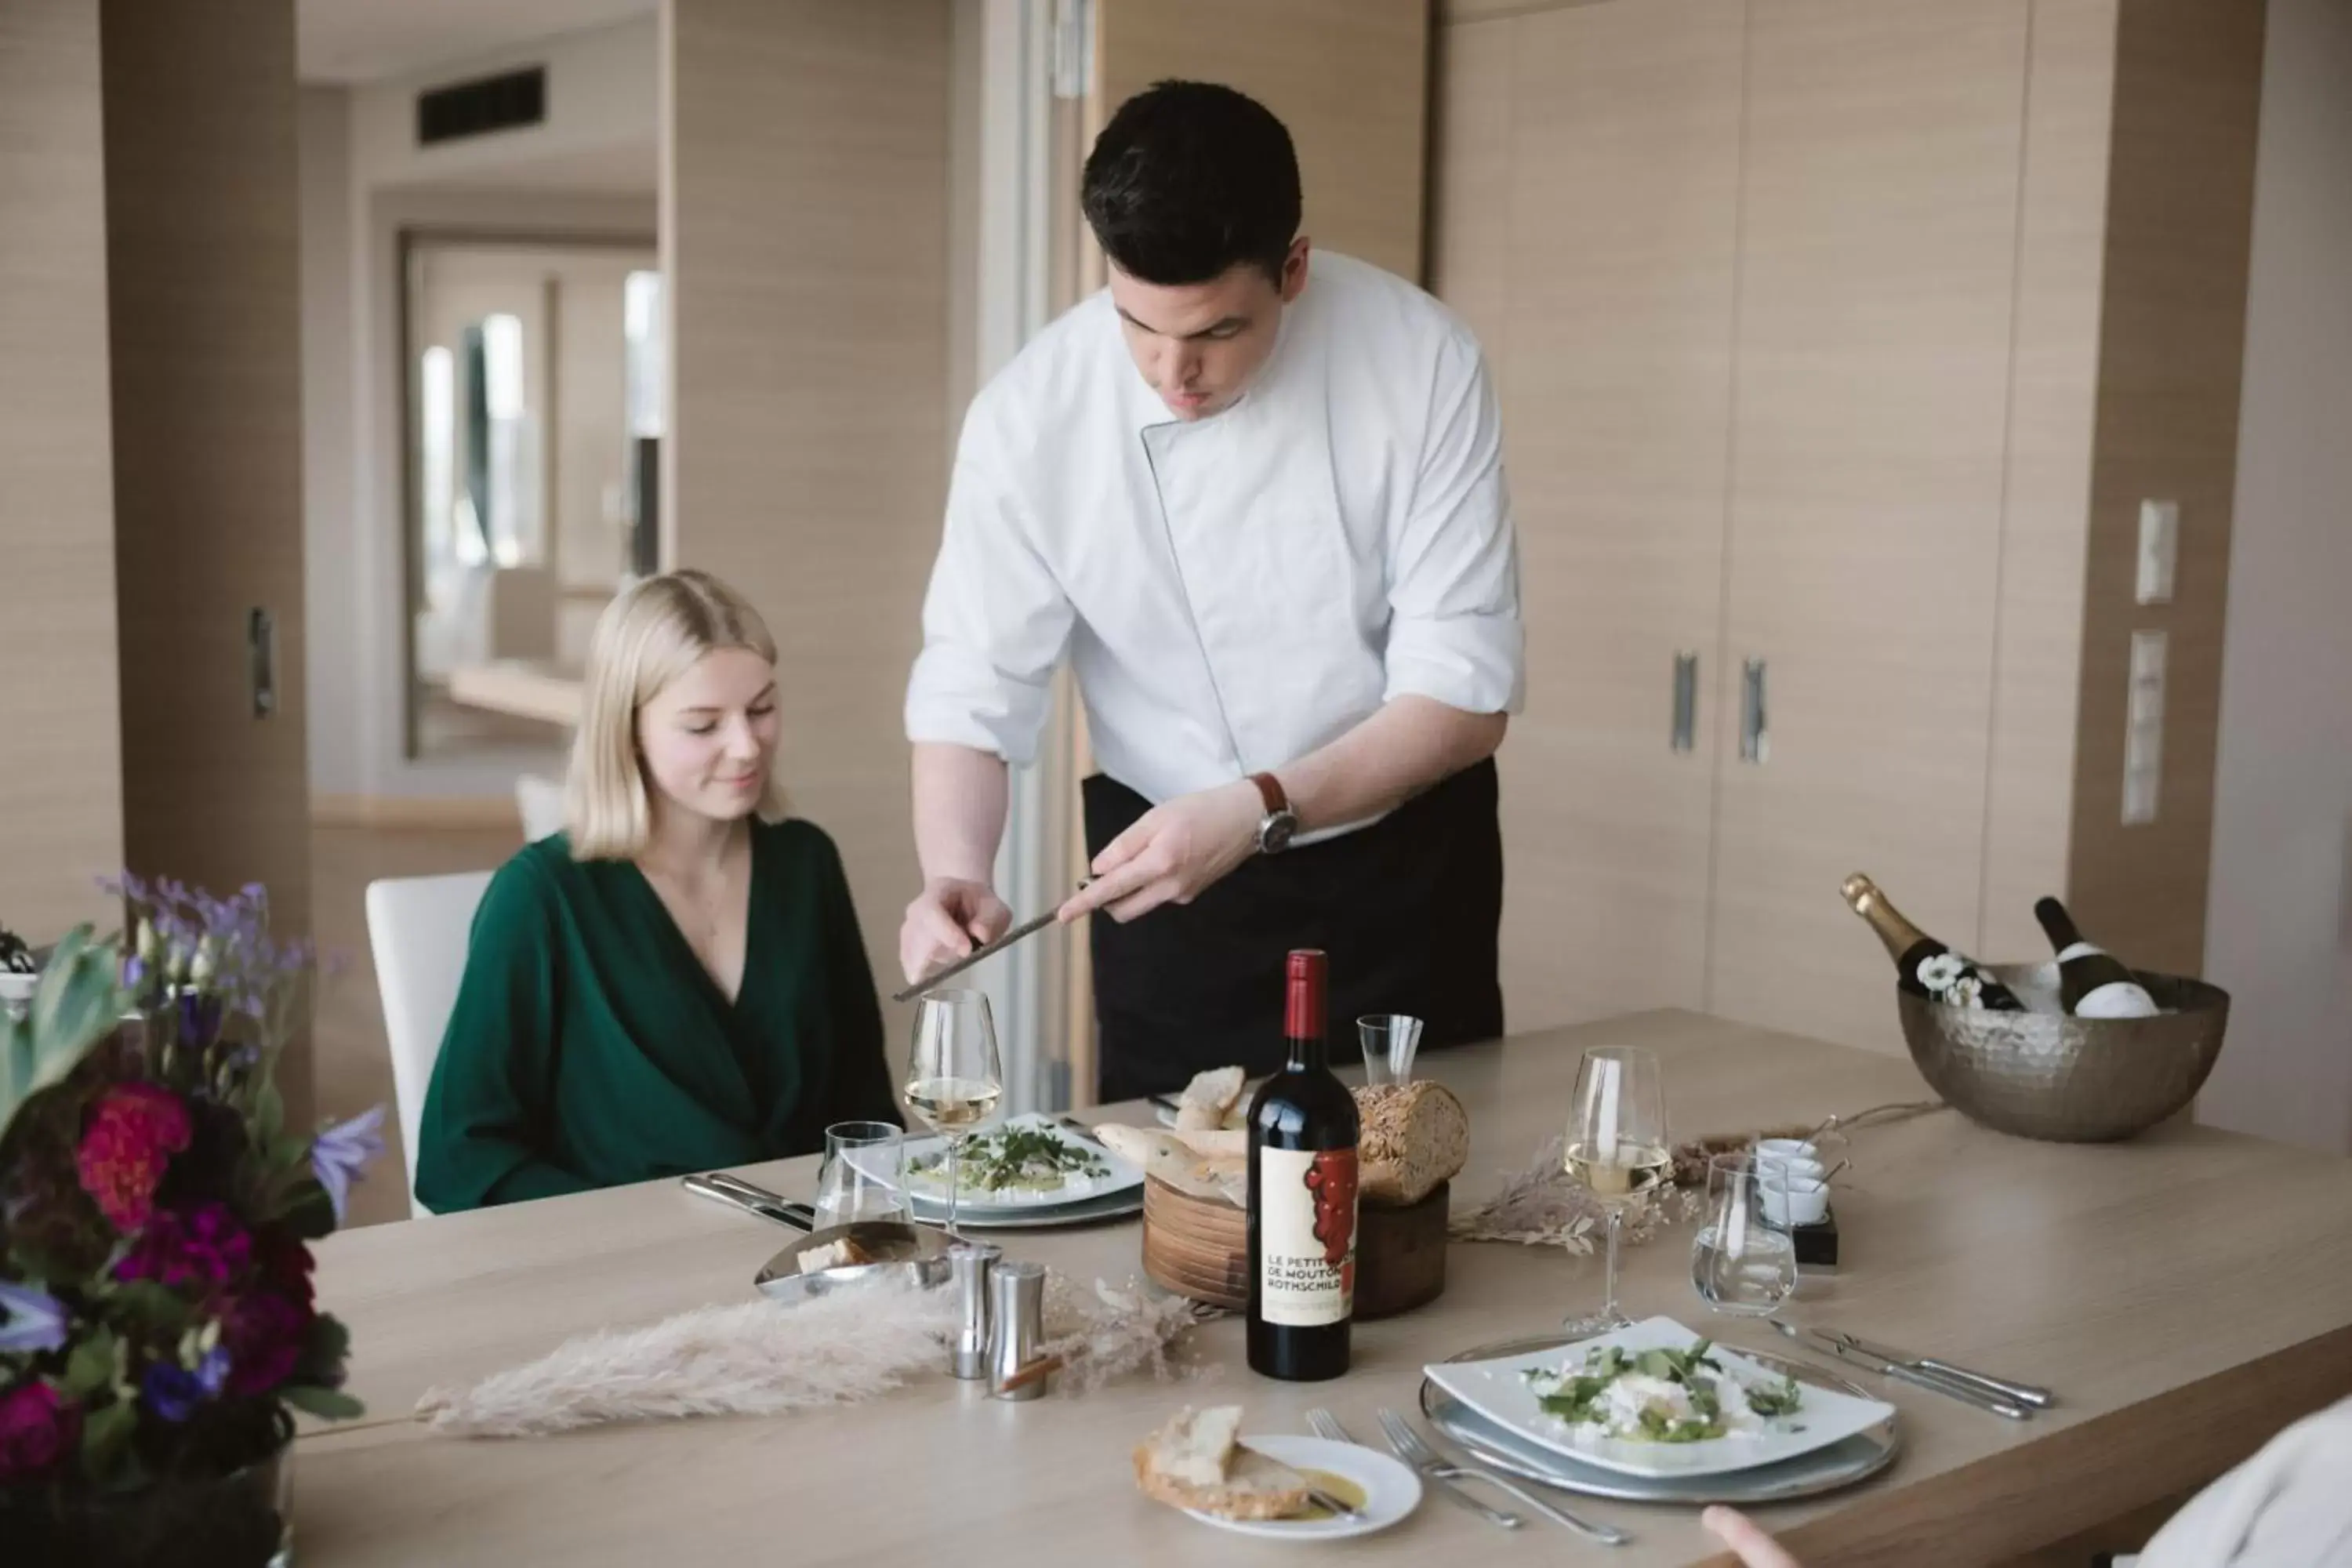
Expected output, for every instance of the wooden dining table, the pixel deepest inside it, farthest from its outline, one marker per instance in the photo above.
(2185, 1294)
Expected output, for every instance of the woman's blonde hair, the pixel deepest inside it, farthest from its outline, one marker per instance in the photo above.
(652, 633)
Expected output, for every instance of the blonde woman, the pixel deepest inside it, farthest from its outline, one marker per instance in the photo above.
(676, 981)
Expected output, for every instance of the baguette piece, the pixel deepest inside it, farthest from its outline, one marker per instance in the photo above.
(1415, 1135)
(1209, 1098)
(840, 1253)
(1195, 1462)
(1170, 1157)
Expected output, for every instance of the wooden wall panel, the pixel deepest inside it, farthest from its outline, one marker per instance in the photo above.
(1349, 78)
(204, 292)
(2045, 509)
(2179, 221)
(60, 734)
(1877, 255)
(1623, 210)
(805, 239)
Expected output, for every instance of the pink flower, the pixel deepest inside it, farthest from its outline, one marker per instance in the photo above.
(133, 1135)
(38, 1430)
(205, 1247)
(263, 1334)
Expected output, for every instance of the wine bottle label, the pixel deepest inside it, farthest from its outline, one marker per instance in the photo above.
(1307, 1236)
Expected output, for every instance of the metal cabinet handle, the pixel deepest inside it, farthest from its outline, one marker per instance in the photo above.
(1685, 699)
(1755, 738)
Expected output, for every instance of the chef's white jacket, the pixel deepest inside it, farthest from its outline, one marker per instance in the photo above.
(1237, 591)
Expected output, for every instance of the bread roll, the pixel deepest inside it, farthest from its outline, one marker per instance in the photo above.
(1415, 1136)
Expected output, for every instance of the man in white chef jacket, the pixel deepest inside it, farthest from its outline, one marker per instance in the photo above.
(1256, 497)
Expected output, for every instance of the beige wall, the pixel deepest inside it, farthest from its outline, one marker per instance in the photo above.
(2278, 932)
(60, 778)
(804, 233)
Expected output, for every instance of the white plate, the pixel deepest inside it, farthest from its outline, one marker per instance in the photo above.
(931, 1197)
(1495, 1390)
(1391, 1490)
(1095, 1211)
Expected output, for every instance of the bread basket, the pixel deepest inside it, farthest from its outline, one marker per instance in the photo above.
(1200, 1247)
(2061, 1079)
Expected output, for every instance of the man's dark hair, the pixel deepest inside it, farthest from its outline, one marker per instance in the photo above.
(1189, 180)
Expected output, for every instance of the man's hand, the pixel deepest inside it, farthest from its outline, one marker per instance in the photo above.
(1173, 852)
(1746, 1539)
(948, 919)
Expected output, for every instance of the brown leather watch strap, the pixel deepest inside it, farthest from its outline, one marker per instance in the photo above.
(1269, 790)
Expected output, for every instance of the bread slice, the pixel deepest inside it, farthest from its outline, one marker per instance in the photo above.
(1209, 1098)
(1194, 1462)
(1415, 1136)
(840, 1253)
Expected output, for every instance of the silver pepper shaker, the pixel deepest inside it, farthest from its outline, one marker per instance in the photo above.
(1016, 1318)
(969, 1263)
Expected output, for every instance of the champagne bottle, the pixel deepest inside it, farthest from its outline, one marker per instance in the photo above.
(1302, 1198)
(1924, 965)
(2091, 983)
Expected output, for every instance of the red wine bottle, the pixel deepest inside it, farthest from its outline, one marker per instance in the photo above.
(1302, 1198)
(2091, 983)
(1923, 966)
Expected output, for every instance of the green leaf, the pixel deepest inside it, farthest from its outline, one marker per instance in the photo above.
(89, 1366)
(106, 1439)
(327, 1403)
(155, 1308)
(324, 1349)
(268, 1114)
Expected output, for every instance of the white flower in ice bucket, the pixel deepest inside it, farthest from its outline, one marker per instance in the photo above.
(1939, 973)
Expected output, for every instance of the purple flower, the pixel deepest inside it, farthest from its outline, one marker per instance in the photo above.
(341, 1153)
(30, 1320)
(38, 1430)
(263, 1334)
(173, 1392)
(205, 1247)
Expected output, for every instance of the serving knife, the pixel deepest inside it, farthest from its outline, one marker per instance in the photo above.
(1933, 1381)
(986, 950)
(1999, 1387)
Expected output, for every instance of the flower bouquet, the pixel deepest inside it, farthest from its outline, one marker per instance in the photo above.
(157, 1328)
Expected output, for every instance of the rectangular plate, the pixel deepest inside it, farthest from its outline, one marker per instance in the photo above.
(1495, 1390)
(930, 1197)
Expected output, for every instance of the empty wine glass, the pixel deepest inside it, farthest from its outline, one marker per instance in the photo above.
(863, 1173)
(1617, 1148)
(954, 1076)
(1743, 1259)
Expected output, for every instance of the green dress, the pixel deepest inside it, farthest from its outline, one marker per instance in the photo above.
(589, 1048)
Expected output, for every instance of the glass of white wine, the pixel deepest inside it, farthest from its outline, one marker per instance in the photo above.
(1617, 1150)
(953, 1076)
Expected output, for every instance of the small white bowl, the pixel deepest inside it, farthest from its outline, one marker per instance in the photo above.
(1796, 1201)
(1788, 1149)
(1792, 1170)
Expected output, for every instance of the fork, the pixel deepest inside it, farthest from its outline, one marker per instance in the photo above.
(1411, 1447)
(1327, 1426)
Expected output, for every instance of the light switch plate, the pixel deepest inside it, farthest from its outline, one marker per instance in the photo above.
(2159, 550)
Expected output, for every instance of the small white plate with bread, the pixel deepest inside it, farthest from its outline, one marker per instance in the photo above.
(1265, 1485)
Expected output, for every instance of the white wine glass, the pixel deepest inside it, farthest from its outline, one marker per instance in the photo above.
(1617, 1150)
(954, 1076)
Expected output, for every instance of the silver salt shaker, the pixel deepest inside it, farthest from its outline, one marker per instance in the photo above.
(969, 1263)
(1017, 1312)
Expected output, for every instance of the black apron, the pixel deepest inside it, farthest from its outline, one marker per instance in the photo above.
(1409, 910)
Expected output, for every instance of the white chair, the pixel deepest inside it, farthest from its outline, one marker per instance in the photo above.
(541, 802)
(417, 929)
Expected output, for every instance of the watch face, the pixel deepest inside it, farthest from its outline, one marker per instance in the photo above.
(1274, 833)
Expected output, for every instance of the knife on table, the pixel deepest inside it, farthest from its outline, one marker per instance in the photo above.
(986, 950)
(1933, 1381)
(1999, 1387)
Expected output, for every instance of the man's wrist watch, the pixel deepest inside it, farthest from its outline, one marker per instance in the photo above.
(1275, 828)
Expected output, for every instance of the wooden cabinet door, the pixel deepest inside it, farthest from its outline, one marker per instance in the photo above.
(1587, 216)
(1878, 239)
(1348, 79)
